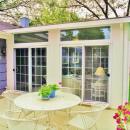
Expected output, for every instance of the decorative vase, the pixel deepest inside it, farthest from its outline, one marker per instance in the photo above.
(52, 95)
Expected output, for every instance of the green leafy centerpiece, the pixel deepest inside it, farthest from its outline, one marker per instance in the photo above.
(47, 91)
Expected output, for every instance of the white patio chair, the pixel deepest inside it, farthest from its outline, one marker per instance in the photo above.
(16, 123)
(10, 95)
(85, 118)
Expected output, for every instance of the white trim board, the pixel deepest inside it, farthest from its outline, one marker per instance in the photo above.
(87, 24)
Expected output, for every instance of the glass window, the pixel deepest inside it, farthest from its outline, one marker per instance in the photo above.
(86, 34)
(31, 37)
(72, 68)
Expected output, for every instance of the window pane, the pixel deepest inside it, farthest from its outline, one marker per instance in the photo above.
(65, 51)
(22, 69)
(71, 68)
(65, 61)
(38, 68)
(43, 71)
(86, 34)
(31, 37)
(65, 71)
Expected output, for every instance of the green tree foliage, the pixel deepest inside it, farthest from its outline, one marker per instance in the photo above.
(52, 13)
(13, 10)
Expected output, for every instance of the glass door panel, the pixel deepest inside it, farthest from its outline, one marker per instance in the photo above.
(96, 69)
(72, 68)
(22, 69)
(38, 68)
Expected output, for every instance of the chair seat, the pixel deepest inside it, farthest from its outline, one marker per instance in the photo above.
(82, 122)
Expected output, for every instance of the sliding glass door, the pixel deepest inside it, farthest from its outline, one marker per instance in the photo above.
(30, 64)
(91, 64)
(96, 73)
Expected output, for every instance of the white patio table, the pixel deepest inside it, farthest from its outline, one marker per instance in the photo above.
(33, 102)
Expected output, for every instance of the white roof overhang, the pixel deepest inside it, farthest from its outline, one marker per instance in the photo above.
(105, 22)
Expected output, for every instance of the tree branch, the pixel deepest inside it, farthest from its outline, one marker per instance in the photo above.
(11, 16)
(14, 5)
(105, 14)
(85, 6)
(112, 8)
(69, 6)
(105, 1)
(128, 8)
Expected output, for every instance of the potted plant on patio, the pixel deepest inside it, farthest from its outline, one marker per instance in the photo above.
(45, 92)
(48, 91)
(53, 87)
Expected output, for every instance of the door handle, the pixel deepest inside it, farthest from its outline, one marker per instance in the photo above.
(107, 74)
(15, 69)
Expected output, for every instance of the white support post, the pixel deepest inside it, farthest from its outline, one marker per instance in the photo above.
(126, 63)
(30, 69)
(83, 73)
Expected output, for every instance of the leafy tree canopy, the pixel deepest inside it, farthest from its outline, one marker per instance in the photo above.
(53, 14)
(60, 11)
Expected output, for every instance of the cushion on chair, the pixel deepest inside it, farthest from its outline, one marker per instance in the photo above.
(82, 122)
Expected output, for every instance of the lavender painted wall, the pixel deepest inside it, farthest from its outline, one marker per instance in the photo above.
(3, 77)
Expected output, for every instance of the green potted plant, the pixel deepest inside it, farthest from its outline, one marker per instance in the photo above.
(45, 91)
(53, 87)
(48, 91)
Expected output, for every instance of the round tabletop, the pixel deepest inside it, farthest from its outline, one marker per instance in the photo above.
(33, 102)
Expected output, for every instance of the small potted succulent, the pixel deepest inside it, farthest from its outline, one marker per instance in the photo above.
(48, 91)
